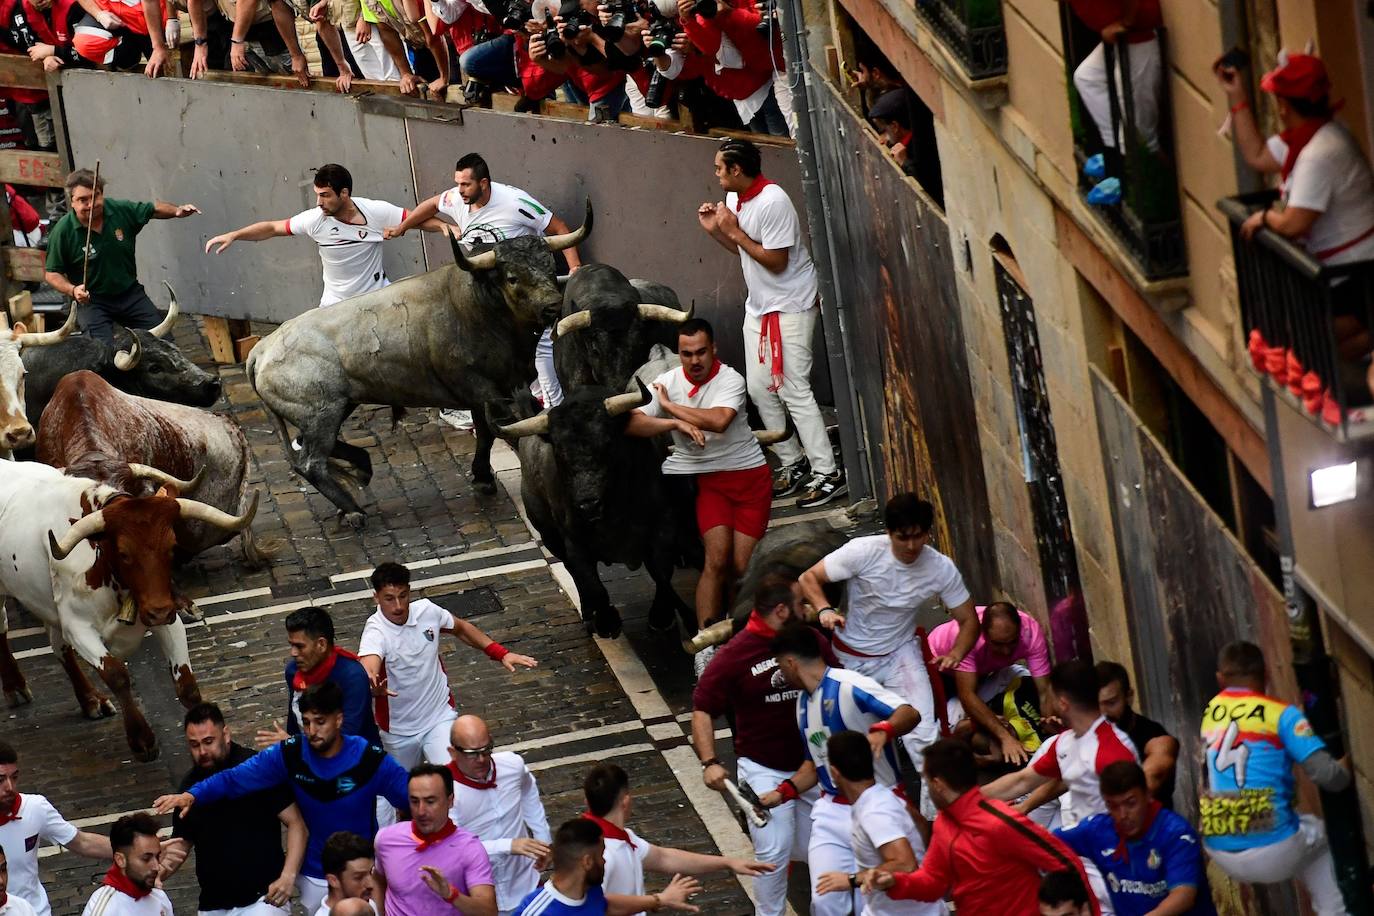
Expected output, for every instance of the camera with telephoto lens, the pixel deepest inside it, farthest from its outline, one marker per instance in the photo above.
(575, 18)
(768, 9)
(705, 8)
(658, 84)
(554, 45)
(620, 12)
(516, 15)
(661, 34)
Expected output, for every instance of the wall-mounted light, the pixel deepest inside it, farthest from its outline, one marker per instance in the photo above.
(1333, 484)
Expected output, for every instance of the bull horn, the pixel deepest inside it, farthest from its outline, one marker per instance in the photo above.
(126, 360)
(770, 436)
(46, 338)
(193, 511)
(87, 527)
(577, 321)
(163, 479)
(576, 237)
(484, 261)
(651, 312)
(618, 404)
(164, 327)
(537, 425)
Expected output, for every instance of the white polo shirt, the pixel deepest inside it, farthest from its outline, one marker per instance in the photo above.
(771, 220)
(1079, 761)
(508, 810)
(107, 901)
(625, 865)
(411, 662)
(510, 213)
(15, 905)
(36, 823)
(350, 252)
(736, 449)
(876, 819)
(1332, 177)
(884, 592)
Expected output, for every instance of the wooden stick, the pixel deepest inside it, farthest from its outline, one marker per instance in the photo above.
(86, 252)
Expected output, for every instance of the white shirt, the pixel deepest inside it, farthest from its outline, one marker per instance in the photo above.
(508, 810)
(1332, 177)
(38, 823)
(106, 901)
(325, 906)
(510, 213)
(411, 665)
(884, 592)
(736, 449)
(350, 252)
(16, 906)
(625, 865)
(877, 818)
(771, 220)
(1079, 761)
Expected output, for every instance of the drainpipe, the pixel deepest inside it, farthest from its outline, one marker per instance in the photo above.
(834, 315)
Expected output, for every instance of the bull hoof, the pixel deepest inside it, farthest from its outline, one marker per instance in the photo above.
(146, 755)
(21, 697)
(485, 487)
(98, 708)
(353, 520)
(662, 618)
(608, 623)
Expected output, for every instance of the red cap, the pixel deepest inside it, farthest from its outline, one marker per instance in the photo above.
(1302, 77)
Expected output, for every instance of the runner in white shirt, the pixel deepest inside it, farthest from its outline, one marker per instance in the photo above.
(11, 904)
(883, 833)
(496, 798)
(26, 823)
(401, 652)
(890, 576)
(607, 788)
(348, 230)
(486, 212)
(130, 886)
(347, 860)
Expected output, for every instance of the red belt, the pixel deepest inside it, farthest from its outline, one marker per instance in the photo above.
(845, 648)
(1332, 252)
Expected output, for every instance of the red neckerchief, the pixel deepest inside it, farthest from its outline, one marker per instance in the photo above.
(304, 679)
(749, 193)
(425, 840)
(715, 370)
(13, 813)
(120, 882)
(1295, 138)
(460, 777)
(770, 344)
(905, 140)
(608, 830)
(758, 627)
(1155, 808)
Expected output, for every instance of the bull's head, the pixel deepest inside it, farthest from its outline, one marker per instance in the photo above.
(134, 538)
(524, 271)
(155, 368)
(15, 430)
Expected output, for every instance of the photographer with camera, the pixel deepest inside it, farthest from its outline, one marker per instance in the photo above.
(491, 64)
(595, 69)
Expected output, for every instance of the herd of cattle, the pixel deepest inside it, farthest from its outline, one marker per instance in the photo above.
(133, 477)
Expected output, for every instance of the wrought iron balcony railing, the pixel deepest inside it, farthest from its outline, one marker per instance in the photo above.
(972, 30)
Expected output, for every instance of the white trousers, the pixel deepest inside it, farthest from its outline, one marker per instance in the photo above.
(782, 840)
(543, 366)
(794, 398)
(372, 58)
(988, 687)
(312, 891)
(831, 849)
(430, 745)
(1304, 855)
(257, 908)
(1090, 79)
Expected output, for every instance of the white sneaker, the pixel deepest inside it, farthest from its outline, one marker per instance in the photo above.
(702, 659)
(459, 419)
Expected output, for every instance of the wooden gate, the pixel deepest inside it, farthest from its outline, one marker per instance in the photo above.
(23, 167)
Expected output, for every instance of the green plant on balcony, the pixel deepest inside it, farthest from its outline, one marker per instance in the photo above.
(982, 14)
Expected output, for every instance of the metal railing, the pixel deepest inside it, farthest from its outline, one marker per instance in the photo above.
(1289, 304)
(1148, 219)
(972, 30)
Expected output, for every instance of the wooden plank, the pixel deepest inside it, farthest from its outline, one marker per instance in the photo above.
(664, 124)
(21, 307)
(564, 110)
(18, 72)
(24, 264)
(220, 339)
(757, 139)
(43, 170)
(317, 83)
(244, 345)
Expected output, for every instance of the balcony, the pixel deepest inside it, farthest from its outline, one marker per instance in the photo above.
(972, 31)
(1294, 309)
(1146, 219)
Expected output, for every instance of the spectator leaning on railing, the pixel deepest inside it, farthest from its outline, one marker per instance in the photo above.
(745, 60)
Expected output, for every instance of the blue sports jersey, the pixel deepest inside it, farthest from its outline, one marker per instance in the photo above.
(1140, 874)
(546, 901)
(1252, 743)
(846, 701)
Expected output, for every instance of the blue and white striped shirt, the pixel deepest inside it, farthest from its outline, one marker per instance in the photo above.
(547, 901)
(846, 701)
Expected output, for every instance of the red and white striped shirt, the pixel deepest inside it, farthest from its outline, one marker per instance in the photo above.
(1079, 760)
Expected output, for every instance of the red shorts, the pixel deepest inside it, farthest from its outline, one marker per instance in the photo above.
(739, 500)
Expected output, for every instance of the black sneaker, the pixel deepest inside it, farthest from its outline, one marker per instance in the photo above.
(823, 489)
(790, 478)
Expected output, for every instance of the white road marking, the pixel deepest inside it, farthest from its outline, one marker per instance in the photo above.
(413, 565)
(572, 737)
(624, 750)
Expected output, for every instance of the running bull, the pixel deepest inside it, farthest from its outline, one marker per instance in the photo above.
(90, 429)
(76, 552)
(16, 429)
(460, 336)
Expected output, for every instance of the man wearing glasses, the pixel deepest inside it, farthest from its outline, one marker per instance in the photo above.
(496, 798)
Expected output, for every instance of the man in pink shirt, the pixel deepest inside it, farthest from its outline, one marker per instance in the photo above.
(428, 866)
(1006, 636)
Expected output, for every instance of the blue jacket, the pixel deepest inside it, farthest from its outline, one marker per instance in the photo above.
(352, 679)
(327, 789)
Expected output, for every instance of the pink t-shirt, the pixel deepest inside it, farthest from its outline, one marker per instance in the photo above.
(982, 660)
(459, 856)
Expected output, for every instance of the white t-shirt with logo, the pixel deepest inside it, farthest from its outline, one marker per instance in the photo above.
(351, 253)
(38, 823)
(625, 865)
(410, 656)
(106, 901)
(736, 449)
(510, 213)
(1332, 177)
(1079, 761)
(771, 220)
(879, 817)
(884, 592)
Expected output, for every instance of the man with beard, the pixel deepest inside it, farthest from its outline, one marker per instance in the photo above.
(10, 905)
(336, 778)
(240, 866)
(130, 886)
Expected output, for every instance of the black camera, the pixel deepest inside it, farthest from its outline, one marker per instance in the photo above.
(661, 34)
(575, 18)
(705, 8)
(653, 96)
(769, 11)
(516, 15)
(553, 43)
(621, 12)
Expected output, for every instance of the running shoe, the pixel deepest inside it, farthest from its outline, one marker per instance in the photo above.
(1095, 167)
(1107, 193)
(822, 489)
(790, 478)
(702, 659)
(460, 420)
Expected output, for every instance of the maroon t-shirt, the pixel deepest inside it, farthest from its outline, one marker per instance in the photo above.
(740, 677)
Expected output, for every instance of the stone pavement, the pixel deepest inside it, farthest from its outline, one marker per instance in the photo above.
(482, 563)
